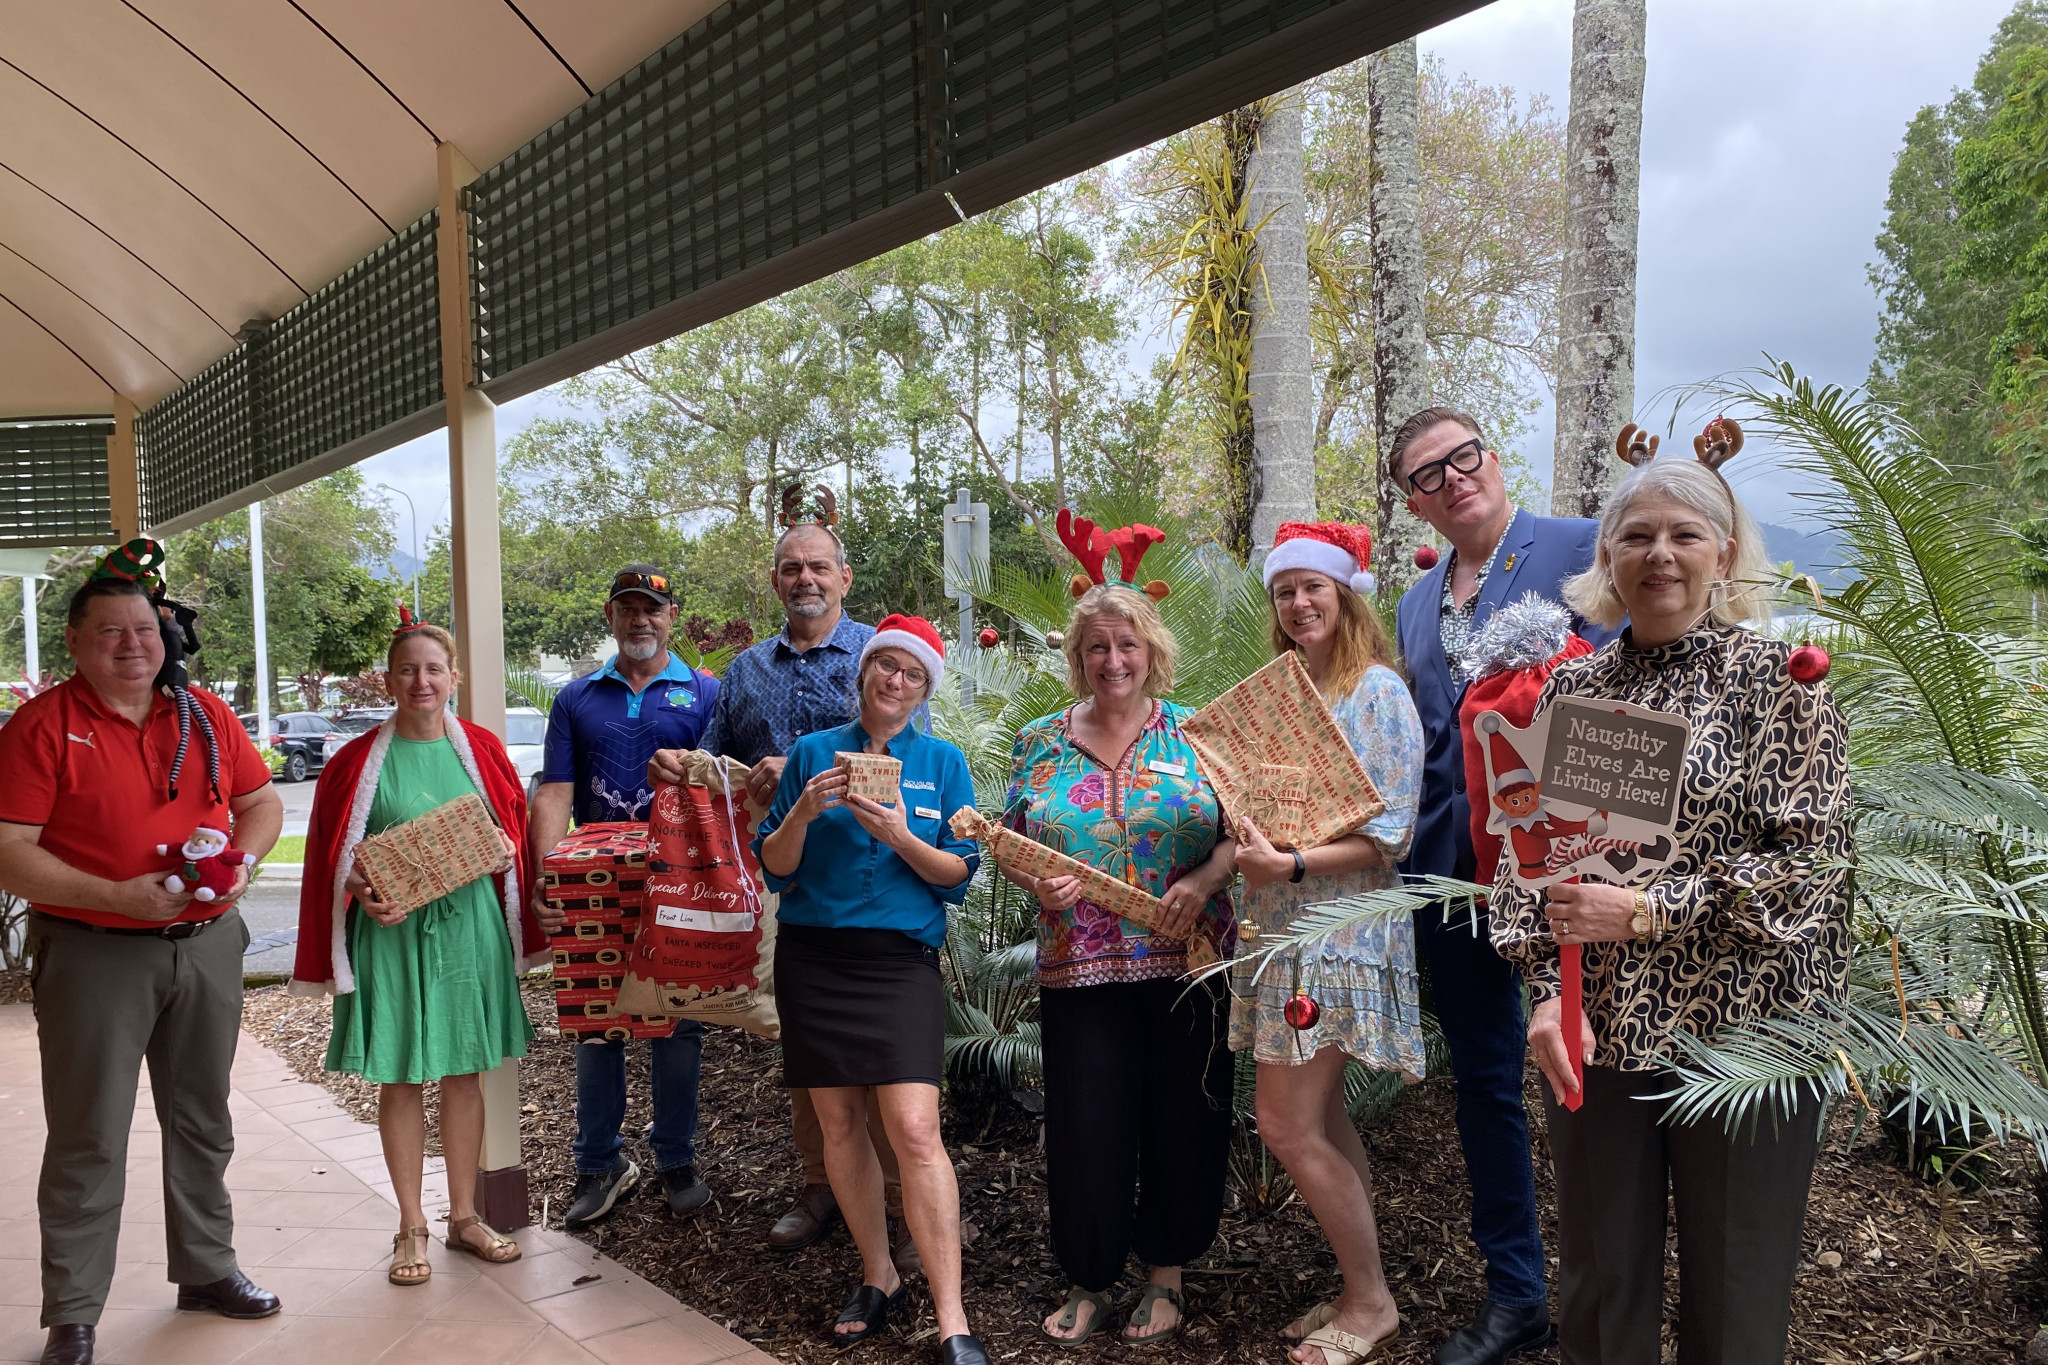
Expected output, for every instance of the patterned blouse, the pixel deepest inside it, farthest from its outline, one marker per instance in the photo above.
(1754, 910)
(1151, 819)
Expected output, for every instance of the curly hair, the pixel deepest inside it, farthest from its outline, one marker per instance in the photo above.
(1124, 603)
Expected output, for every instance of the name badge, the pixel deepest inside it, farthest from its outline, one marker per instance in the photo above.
(926, 812)
(1170, 769)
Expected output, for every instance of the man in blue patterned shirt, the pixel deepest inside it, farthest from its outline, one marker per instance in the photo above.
(782, 689)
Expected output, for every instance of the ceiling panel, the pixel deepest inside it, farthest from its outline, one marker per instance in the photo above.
(44, 379)
(633, 31)
(126, 364)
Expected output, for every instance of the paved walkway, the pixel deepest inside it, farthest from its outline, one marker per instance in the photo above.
(313, 1223)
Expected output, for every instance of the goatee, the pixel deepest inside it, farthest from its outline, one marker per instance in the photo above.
(639, 651)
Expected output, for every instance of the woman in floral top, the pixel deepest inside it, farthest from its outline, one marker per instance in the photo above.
(1137, 1071)
(1363, 978)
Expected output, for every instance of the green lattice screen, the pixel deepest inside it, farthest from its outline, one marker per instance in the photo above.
(53, 482)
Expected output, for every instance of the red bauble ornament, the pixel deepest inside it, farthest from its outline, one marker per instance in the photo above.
(1425, 557)
(988, 637)
(1302, 1011)
(1808, 664)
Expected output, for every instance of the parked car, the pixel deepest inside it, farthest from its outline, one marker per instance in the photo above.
(301, 736)
(526, 733)
(352, 723)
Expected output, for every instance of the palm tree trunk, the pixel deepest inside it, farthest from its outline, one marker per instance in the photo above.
(1596, 361)
(1283, 485)
(1400, 334)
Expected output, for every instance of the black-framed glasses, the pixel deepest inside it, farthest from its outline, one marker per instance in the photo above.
(1466, 459)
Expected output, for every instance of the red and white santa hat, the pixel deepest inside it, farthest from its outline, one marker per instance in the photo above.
(1336, 548)
(913, 635)
(1510, 769)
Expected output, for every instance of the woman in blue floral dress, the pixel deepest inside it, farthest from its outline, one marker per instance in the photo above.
(1362, 979)
(1137, 1067)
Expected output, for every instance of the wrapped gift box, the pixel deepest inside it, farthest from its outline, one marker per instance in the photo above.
(425, 858)
(598, 877)
(878, 777)
(1278, 803)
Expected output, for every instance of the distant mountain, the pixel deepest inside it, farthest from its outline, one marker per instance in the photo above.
(1818, 552)
(400, 567)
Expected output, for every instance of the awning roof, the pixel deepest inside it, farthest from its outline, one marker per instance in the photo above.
(170, 169)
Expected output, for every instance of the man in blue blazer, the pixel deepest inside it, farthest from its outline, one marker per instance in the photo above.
(1499, 554)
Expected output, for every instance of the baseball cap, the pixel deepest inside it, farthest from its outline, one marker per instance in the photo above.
(644, 579)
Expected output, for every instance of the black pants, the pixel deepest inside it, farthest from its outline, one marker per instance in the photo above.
(1740, 1203)
(1137, 1123)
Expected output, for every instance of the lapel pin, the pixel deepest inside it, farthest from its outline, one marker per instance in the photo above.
(1509, 564)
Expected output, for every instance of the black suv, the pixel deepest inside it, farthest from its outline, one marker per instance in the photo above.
(301, 736)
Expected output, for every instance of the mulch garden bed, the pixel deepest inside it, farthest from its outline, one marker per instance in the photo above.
(1924, 1275)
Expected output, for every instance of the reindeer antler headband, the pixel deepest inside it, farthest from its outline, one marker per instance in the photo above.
(820, 510)
(1719, 442)
(1091, 546)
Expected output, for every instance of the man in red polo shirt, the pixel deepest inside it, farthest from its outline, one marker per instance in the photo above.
(126, 969)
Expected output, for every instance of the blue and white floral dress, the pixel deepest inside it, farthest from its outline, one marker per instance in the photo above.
(1363, 978)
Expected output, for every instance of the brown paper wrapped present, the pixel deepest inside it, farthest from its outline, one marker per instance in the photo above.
(1017, 853)
(1277, 713)
(1278, 803)
(878, 777)
(430, 855)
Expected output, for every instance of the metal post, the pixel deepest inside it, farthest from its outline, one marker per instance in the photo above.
(965, 548)
(31, 647)
(260, 612)
(414, 513)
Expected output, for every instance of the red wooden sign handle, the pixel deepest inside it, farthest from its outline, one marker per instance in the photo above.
(1574, 1020)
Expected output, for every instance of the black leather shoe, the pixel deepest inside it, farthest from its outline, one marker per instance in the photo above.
(1498, 1333)
(962, 1350)
(70, 1343)
(233, 1297)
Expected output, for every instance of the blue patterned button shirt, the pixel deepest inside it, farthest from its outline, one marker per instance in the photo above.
(772, 696)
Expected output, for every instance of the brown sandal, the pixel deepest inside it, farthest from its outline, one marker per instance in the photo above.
(409, 1252)
(494, 1253)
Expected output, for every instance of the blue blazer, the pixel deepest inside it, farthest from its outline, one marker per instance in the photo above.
(1536, 555)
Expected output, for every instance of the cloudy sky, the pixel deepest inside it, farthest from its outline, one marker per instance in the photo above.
(1768, 138)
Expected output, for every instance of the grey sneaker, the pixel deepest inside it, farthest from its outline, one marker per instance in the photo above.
(686, 1192)
(597, 1195)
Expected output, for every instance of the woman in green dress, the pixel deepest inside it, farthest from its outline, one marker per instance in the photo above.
(429, 994)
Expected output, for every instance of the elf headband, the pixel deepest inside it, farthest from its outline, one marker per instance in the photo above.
(406, 625)
(139, 561)
(1091, 546)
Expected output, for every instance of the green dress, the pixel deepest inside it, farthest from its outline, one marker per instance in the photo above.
(438, 993)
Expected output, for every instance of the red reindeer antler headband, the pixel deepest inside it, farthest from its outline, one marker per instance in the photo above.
(1091, 546)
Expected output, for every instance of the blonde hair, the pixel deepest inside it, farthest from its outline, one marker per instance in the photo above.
(1691, 484)
(422, 632)
(1127, 604)
(1360, 643)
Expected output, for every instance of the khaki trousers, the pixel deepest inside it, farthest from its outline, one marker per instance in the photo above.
(104, 1004)
(810, 1145)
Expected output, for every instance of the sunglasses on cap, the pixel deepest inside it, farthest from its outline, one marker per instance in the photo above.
(1465, 458)
(631, 581)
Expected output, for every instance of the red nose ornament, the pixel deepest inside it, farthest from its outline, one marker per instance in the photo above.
(988, 637)
(1425, 557)
(1302, 1012)
(1808, 664)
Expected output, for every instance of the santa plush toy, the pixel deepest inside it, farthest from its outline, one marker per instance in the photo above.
(210, 865)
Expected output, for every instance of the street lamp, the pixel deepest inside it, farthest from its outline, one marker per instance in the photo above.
(412, 512)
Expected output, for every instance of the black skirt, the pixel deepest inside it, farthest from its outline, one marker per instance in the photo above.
(859, 1007)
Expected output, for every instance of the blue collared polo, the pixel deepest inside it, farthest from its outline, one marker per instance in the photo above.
(601, 732)
(846, 879)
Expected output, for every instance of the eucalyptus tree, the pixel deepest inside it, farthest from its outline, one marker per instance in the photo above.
(1400, 291)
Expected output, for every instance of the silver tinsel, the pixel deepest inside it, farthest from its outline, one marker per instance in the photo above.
(1519, 635)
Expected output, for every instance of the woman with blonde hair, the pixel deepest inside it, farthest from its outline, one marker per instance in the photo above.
(1362, 979)
(1749, 919)
(1137, 1071)
(430, 994)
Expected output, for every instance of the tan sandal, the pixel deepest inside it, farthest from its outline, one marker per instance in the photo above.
(1340, 1347)
(493, 1253)
(1319, 1316)
(409, 1252)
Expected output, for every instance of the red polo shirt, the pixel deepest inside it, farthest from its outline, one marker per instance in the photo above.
(95, 782)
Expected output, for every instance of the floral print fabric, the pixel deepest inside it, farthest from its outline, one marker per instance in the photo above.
(1150, 820)
(1363, 978)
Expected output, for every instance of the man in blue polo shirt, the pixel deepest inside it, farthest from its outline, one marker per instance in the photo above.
(601, 732)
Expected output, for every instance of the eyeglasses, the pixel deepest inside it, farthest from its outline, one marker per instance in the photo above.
(639, 582)
(889, 668)
(1465, 458)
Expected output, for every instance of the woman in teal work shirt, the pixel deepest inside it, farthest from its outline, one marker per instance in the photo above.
(864, 890)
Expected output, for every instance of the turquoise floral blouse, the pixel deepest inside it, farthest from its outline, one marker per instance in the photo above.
(1151, 819)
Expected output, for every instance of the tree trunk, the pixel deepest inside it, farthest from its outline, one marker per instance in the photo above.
(1283, 485)
(1596, 362)
(1400, 333)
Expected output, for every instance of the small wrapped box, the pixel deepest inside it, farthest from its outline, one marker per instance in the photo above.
(431, 855)
(1277, 713)
(878, 777)
(1278, 803)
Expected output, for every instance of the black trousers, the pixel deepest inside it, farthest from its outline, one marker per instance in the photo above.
(1740, 1203)
(1137, 1123)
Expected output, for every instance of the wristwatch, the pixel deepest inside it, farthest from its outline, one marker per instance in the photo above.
(1642, 922)
(1300, 866)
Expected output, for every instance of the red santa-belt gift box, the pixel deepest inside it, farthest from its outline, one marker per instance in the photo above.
(598, 876)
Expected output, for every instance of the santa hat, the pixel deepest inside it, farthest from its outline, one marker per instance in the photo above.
(913, 635)
(1509, 768)
(1335, 548)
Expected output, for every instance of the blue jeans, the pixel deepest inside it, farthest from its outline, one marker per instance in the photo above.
(674, 1064)
(1479, 1007)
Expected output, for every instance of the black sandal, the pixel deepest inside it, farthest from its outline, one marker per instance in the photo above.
(869, 1307)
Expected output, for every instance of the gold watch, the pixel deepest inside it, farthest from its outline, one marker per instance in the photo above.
(1641, 923)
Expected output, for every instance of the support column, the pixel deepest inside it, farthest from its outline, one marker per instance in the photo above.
(31, 646)
(479, 618)
(124, 487)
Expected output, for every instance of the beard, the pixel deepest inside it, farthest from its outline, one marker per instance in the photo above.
(639, 651)
(806, 605)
